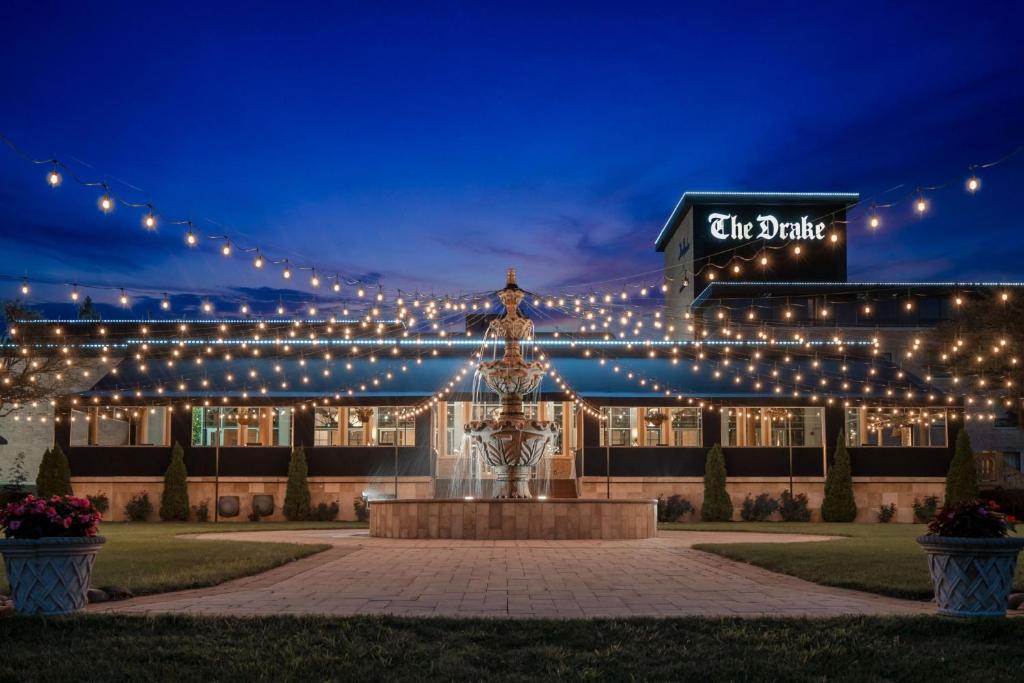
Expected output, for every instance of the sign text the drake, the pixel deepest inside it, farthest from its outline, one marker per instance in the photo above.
(726, 226)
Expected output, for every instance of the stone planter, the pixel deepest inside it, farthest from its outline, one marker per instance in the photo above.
(972, 576)
(49, 575)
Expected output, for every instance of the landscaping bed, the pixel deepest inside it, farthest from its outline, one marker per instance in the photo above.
(878, 558)
(376, 648)
(141, 557)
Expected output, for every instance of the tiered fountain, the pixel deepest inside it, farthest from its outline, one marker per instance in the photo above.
(512, 444)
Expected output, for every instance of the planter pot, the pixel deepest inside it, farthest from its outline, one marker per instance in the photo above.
(49, 575)
(972, 576)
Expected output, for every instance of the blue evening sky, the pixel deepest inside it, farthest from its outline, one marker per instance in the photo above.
(431, 145)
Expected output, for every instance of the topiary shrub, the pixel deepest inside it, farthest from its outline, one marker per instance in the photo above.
(962, 478)
(201, 512)
(758, 509)
(174, 500)
(672, 508)
(54, 478)
(138, 508)
(362, 509)
(717, 506)
(794, 508)
(326, 512)
(839, 504)
(924, 511)
(296, 498)
(100, 502)
(886, 513)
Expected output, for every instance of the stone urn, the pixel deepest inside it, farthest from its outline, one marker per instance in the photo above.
(972, 576)
(50, 576)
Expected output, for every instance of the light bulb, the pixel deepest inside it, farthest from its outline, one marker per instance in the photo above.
(245, 308)
(797, 250)
(149, 221)
(53, 178)
(207, 307)
(24, 286)
(106, 204)
(973, 184)
(834, 237)
(190, 238)
(258, 261)
(874, 221)
(226, 249)
(337, 286)
(165, 303)
(360, 292)
(74, 294)
(124, 298)
(314, 280)
(287, 273)
(920, 205)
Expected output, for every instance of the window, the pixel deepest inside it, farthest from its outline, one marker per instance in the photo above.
(327, 426)
(121, 426)
(896, 427)
(772, 427)
(241, 426)
(652, 427)
(453, 436)
(395, 428)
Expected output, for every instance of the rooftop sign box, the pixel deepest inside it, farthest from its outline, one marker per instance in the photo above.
(720, 231)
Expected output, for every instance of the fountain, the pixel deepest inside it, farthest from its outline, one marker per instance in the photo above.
(512, 444)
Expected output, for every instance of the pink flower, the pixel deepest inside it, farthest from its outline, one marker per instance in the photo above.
(13, 524)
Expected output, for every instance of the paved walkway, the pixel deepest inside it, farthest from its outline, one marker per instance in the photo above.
(659, 577)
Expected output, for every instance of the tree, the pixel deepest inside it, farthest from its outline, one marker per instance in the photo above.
(87, 311)
(962, 478)
(54, 478)
(32, 371)
(839, 504)
(717, 506)
(296, 497)
(174, 500)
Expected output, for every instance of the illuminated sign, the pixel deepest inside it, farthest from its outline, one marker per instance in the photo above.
(727, 226)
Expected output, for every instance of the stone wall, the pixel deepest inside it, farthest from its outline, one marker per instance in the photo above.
(341, 490)
(869, 492)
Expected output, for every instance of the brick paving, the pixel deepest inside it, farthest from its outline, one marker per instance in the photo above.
(658, 577)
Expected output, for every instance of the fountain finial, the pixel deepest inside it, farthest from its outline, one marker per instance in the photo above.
(510, 278)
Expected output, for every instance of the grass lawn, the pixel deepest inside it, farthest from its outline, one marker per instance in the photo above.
(148, 558)
(880, 558)
(388, 649)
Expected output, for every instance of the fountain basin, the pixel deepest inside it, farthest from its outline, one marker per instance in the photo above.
(514, 518)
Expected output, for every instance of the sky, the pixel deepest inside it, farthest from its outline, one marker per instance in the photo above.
(429, 146)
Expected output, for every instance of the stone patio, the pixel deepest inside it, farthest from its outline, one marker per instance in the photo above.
(656, 577)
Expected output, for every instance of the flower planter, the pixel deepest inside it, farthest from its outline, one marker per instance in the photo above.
(972, 576)
(49, 575)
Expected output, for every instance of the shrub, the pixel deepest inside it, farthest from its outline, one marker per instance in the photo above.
(362, 508)
(138, 508)
(100, 502)
(886, 513)
(325, 512)
(717, 506)
(174, 499)
(201, 512)
(54, 478)
(14, 489)
(672, 508)
(962, 478)
(758, 509)
(839, 505)
(1010, 500)
(296, 498)
(794, 508)
(924, 511)
(971, 519)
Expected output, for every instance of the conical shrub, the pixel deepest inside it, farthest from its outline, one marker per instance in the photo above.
(717, 506)
(54, 478)
(296, 497)
(839, 504)
(962, 478)
(174, 500)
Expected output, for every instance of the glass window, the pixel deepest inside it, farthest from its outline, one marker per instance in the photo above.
(773, 427)
(453, 437)
(558, 417)
(896, 427)
(241, 426)
(651, 427)
(121, 426)
(327, 426)
(395, 428)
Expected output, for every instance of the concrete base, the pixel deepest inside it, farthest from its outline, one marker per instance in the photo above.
(512, 519)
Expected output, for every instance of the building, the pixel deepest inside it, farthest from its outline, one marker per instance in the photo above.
(768, 352)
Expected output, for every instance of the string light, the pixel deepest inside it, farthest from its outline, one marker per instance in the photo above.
(974, 182)
(258, 261)
(149, 221)
(105, 203)
(190, 238)
(165, 303)
(226, 249)
(53, 178)
(314, 280)
(920, 204)
(286, 273)
(24, 286)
